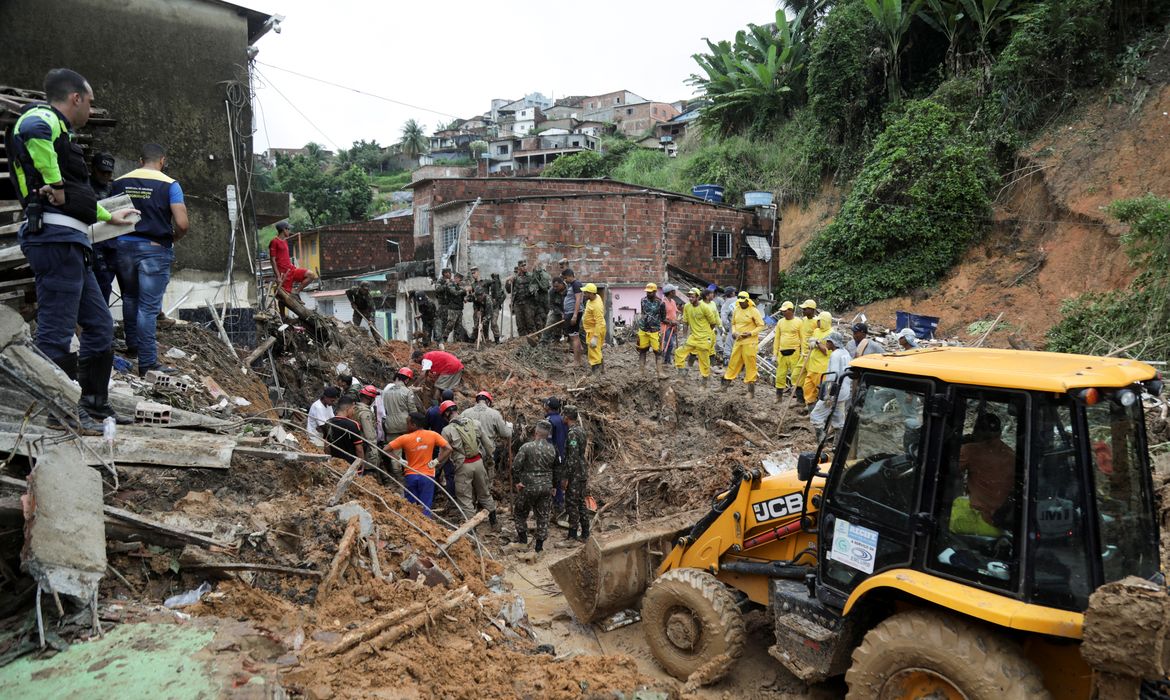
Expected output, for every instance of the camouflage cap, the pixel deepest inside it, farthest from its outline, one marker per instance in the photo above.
(569, 411)
(544, 425)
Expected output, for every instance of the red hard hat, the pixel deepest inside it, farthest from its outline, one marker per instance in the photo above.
(369, 390)
(487, 395)
(407, 372)
(446, 406)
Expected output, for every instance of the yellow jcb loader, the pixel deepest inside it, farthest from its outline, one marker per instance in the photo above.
(948, 548)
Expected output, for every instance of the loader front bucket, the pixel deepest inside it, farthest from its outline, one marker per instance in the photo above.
(610, 572)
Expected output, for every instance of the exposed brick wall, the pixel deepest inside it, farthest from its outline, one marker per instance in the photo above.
(353, 248)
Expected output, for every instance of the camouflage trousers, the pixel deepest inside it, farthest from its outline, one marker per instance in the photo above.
(575, 503)
(536, 501)
(452, 325)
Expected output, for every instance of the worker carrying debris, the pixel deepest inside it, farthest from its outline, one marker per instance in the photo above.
(574, 475)
(701, 320)
(419, 445)
(786, 348)
(532, 473)
(594, 326)
(471, 451)
(51, 178)
(650, 329)
(362, 303)
(746, 324)
(425, 316)
(440, 369)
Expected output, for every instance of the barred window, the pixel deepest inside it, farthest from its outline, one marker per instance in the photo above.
(720, 244)
(450, 233)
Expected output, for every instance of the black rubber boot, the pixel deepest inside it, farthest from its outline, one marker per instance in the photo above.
(523, 538)
(584, 531)
(93, 374)
(540, 545)
(572, 534)
(68, 365)
(493, 519)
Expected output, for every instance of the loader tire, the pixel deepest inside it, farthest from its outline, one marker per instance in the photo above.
(691, 618)
(921, 654)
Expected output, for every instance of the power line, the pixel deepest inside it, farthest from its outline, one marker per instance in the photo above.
(298, 111)
(360, 92)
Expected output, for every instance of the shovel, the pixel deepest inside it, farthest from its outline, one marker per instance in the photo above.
(532, 337)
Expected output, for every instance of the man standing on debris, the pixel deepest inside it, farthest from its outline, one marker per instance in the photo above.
(398, 402)
(498, 297)
(456, 298)
(439, 367)
(343, 435)
(483, 312)
(426, 316)
(363, 413)
(419, 445)
(557, 437)
(145, 255)
(650, 329)
(818, 358)
(574, 476)
(498, 430)
(286, 273)
(701, 320)
(540, 286)
(594, 326)
(831, 403)
(808, 324)
(471, 450)
(105, 253)
(522, 311)
(574, 307)
(322, 410)
(726, 312)
(670, 305)
(532, 473)
(862, 344)
(786, 347)
(556, 312)
(52, 182)
(746, 324)
(363, 305)
(442, 301)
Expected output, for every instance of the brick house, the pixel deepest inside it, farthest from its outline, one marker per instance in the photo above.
(638, 119)
(613, 233)
(345, 250)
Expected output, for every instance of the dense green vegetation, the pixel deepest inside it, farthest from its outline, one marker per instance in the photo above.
(1138, 317)
(911, 105)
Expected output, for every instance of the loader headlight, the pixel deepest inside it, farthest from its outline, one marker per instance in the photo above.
(1127, 397)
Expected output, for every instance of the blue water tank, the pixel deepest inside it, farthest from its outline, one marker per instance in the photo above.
(708, 193)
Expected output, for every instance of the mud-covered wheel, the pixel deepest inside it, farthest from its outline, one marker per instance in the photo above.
(922, 654)
(690, 618)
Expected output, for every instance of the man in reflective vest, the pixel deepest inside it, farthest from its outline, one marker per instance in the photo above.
(52, 180)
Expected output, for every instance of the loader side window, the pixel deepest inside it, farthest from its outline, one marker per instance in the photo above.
(980, 489)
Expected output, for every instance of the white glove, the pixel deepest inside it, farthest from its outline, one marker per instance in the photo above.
(593, 342)
(433, 464)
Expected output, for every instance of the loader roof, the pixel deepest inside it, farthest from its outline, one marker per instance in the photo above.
(1012, 369)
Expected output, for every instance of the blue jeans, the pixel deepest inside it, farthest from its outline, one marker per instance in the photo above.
(420, 490)
(68, 297)
(144, 269)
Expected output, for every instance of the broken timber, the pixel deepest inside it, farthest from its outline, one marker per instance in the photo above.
(341, 559)
(464, 529)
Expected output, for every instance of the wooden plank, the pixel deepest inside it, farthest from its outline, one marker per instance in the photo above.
(197, 451)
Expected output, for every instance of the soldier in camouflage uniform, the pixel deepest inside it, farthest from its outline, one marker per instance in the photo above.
(532, 471)
(574, 475)
(483, 308)
(456, 295)
(497, 294)
(523, 309)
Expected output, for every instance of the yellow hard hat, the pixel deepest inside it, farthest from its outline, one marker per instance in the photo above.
(695, 291)
(808, 304)
(826, 318)
(745, 295)
(787, 305)
(651, 287)
(589, 287)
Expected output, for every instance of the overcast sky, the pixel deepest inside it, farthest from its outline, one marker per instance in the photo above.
(454, 56)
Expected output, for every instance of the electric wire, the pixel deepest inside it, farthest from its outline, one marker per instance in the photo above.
(297, 109)
(360, 92)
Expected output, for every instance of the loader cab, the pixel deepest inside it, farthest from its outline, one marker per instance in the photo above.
(1022, 488)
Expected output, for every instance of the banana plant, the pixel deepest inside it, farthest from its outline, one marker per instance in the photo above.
(946, 18)
(893, 18)
(987, 16)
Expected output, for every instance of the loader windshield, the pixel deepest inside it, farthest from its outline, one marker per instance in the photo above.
(1125, 518)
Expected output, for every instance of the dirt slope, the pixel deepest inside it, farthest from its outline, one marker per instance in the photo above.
(1051, 239)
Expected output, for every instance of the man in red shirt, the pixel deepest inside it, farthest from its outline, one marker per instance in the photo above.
(419, 444)
(440, 367)
(282, 265)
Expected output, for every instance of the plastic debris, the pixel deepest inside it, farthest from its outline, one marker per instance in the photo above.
(191, 597)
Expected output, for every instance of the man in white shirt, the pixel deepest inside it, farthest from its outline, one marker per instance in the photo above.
(830, 408)
(322, 410)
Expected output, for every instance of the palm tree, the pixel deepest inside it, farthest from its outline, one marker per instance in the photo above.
(414, 139)
(893, 18)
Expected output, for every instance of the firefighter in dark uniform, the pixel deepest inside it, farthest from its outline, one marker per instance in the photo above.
(105, 253)
(52, 180)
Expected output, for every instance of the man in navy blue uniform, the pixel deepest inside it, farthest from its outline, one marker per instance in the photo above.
(52, 181)
(145, 255)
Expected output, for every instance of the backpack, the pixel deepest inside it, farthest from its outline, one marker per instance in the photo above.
(468, 433)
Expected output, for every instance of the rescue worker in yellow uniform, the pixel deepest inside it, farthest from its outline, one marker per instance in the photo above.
(818, 359)
(746, 324)
(786, 347)
(702, 320)
(594, 325)
(808, 323)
